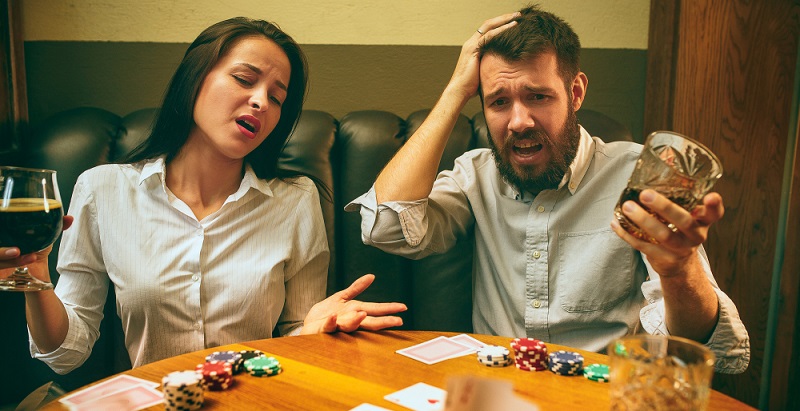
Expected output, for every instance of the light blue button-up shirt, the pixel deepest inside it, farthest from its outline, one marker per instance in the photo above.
(546, 266)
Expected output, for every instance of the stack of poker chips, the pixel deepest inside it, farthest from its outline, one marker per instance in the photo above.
(596, 372)
(262, 366)
(216, 375)
(231, 357)
(530, 354)
(246, 355)
(494, 356)
(566, 363)
(183, 390)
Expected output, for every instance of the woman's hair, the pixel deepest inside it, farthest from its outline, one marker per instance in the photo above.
(175, 119)
(538, 32)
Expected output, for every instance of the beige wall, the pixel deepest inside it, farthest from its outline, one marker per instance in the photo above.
(600, 24)
(386, 55)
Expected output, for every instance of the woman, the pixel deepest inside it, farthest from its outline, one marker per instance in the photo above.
(205, 240)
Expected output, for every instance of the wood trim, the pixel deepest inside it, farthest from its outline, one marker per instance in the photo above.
(13, 96)
(786, 357)
(662, 55)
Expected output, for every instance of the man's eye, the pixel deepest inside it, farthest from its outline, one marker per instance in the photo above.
(539, 97)
(499, 102)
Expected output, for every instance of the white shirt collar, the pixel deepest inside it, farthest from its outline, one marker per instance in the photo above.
(157, 167)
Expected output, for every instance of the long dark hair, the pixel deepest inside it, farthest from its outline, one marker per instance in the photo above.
(537, 32)
(175, 119)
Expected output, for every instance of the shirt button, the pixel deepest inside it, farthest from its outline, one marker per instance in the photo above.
(195, 278)
(536, 303)
(540, 209)
(536, 254)
(197, 326)
(572, 186)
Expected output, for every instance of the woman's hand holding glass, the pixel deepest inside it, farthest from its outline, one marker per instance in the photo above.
(31, 218)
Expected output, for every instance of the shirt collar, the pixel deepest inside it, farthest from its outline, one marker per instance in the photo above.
(157, 167)
(577, 170)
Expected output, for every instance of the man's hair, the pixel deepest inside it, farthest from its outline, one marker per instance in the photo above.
(538, 32)
(175, 119)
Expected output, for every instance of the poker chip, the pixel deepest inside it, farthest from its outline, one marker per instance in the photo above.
(232, 357)
(496, 363)
(246, 355)
(183, 390)
(216, 375)
(596, 372)
(565, 363)
(530, 354)
(494, 356)
(263, 366)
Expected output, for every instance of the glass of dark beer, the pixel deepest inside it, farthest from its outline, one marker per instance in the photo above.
(30, 218)
(674, 165)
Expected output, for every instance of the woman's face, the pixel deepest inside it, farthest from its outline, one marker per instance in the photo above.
(239, 102)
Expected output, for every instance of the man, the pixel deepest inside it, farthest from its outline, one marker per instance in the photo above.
(547, 265)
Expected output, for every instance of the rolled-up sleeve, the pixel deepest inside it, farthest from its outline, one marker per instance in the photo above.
(729, 342)
(399, 227)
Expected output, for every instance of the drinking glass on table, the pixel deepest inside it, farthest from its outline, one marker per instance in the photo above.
(657, 372)
(674, 165)
(30, 218)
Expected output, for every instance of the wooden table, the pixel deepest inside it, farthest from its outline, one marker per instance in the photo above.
(340, 371)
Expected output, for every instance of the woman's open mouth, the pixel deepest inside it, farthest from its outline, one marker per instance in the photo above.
(248, 125)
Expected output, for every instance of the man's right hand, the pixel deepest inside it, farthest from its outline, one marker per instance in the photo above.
(465, 78)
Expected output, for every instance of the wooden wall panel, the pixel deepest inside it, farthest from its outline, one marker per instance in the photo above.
(13, 100)
(729, 85)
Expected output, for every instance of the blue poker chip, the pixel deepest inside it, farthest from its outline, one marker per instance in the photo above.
(566, 363)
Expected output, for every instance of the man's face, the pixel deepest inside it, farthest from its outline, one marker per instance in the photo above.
(530, 115)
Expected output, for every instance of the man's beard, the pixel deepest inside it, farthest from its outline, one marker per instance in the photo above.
(563, 147)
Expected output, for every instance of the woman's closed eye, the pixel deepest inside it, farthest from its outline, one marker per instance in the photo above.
(241, 80)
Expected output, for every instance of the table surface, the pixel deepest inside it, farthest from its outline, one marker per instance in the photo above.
(340, 371)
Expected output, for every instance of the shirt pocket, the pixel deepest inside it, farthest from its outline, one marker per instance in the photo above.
(596, 271)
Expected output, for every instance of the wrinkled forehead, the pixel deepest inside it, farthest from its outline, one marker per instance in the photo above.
(539, 71)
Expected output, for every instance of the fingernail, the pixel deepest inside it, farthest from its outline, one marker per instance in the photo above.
(628, 206)
(647, 196)
(11, 252)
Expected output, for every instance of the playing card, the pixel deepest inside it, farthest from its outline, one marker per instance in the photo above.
(468, 341)
(419, 397)
(104, 388)
(369, 407)
(131, 399)
(436, 350)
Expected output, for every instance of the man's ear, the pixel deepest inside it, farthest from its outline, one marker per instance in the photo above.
(579, 86)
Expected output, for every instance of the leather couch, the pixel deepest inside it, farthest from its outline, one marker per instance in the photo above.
(345, 153)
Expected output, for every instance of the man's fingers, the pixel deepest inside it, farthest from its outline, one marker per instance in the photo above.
(711, 211)
(499, 22)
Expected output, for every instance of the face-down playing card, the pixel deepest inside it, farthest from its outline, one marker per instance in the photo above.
(436, 350)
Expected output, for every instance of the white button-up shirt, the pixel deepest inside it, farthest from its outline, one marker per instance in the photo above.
(258, 262)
